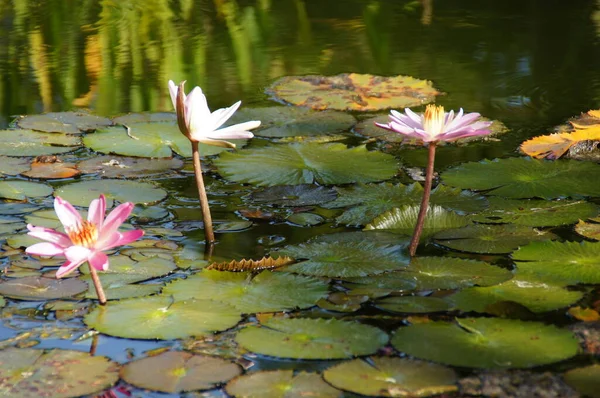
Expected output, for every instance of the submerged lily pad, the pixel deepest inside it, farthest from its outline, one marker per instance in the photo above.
(289, 121)
(371, 200)
(413, 304)
(21, 190)
(585, 380)
(403, 220)
(160, 317)
(562, 263)
(527, 178)
(536, 213)
(177, 371)
(308, 163)
(496, 239)
(487, 343)
(83, 192)
(64, 122)
(266, 292)
(32, 373)
(127, 167)
(280, 384)
(37, 288)
(392, 377)
(311, 338)
(293, 195)
(33, 143)
(353, 91)
(344, 259)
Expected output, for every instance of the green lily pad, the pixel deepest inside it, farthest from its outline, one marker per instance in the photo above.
(561, 263)
(266, 292)
(160, 317)
(289, 121)
(590, 230)
(64, 122)
(371, 200)
(14, 166)
(527, 178)
(392, 377)
(308, 163)
(118, 290)
(10, 225)
(143, 215)
(412, 304)
(177, 371)
(535, 296)
(495, 239)
(31, 373)
(124, 167)
(149, 140)
(234, 226)
(353, 91)
(585, 380)
(33, 143)
(37, 288)
(379, 285)
(21, 190)
(536, 213)
(487, 343)
(293, 195)
(46, 218)
(148, 268)
(403, 220)
(12, 208)
(305, 219)
(83, 192)
(344, 259)
(311, 338)
(280, 384)
(145, 117)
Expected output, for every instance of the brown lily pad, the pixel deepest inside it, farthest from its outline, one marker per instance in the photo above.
(127, 167)
(51, 167)
(353, 91)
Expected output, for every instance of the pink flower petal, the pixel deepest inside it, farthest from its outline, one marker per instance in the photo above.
(49, 235)
(67, 268)
(99, 261)
(77, 254)
(124, 238)
(68, 216)
(115, 219)
(45, 249)
(97, 211)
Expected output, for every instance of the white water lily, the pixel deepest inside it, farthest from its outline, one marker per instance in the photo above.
(196, 121)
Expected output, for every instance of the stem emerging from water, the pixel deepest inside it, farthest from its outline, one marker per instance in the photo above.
(208, 227)
(97, 285)
(414, 242)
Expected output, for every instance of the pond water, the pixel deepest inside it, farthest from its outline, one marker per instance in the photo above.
(530, 64)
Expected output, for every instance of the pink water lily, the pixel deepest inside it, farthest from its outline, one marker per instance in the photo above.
(198, 123)
(84, 240)
(436, 125)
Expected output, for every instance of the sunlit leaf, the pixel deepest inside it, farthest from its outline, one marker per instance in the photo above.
(553, 146)
(127, 167)
(64, 122)
(83, 192)
(21, 190)
(34, 143)
(251, 265)
(584, 314)
(352, 91)
(280, 384)
(51, 168)
(590, 230)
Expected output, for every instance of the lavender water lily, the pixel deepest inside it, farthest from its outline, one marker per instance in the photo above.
(431, 127)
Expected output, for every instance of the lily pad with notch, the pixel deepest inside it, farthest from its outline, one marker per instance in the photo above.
(83, 192)
(487, 343)
(33, 143)
(36, 288)
(304, 338)
(293, 195)
(306, 163)
(128, 167)
(280, 384)
(64, 122)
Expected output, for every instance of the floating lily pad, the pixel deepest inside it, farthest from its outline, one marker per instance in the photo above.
(413, 304)
(46, 218)
(495, 239)
(234, 226)
(590, 230)
(119, 289)
(126, 167)
(392, 377)
(11, 208)
(177, 371)
(266, 292)
(10, 225)
(403, 220)
(535, 296)
(149, 140)
(527, 178)
(280, 384)
(379, 285)
(309, 163)
(536, 213)
(311, 338)
(21, 190)
(353, 91)
(83, 192)
(37, 288)
(562, 263)
(52, 169)
(344, 259)
(289, 121)
(160, 317)
(487, 343)
(145, 117)
(13, 166)
(64, 122)
(33, 143)
(585, 380)
(305, 219)
(31, 373)
(293, 195)
(371, 200)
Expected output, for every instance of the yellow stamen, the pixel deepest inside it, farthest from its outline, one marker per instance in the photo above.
(433, 120)
(84, 234)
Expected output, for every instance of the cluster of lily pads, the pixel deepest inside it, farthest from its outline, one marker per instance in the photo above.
(498, 250)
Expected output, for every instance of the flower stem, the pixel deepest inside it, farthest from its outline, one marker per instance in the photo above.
(97, 285)
(206, 218)
(414, 242)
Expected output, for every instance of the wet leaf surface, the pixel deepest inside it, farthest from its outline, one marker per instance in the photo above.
(127, 167)
(293, 195)
(585, 380)
(280, 384)
(83, 192)
(21, 190)
(36, 288)
(33, 143)
(64, 122)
